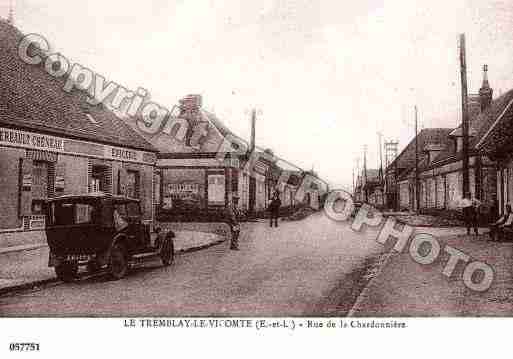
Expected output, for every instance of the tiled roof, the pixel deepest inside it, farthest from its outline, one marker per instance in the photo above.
(30, 98)
(480, 126)
(406, 159)
(499, 130)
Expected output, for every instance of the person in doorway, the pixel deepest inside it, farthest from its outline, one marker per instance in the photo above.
(274, 208)
(497, 227)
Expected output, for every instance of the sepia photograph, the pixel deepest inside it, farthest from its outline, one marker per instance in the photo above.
(285, 165)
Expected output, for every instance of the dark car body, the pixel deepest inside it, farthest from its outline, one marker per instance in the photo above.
(84, 229)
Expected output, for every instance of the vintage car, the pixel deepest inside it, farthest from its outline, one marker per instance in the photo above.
(101, 231)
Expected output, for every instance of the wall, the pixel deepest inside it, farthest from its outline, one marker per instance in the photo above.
(9, 187)
(404, 195)
(174, 176)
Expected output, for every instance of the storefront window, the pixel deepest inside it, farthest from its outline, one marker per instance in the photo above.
(132, 185)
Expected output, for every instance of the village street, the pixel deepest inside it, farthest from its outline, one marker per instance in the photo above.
(313, 267)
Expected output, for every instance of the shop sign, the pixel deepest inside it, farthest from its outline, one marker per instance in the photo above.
(128, 155)
(18, 138)
(42, 143)
(183, 194)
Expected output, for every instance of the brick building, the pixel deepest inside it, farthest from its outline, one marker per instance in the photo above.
(53, 143)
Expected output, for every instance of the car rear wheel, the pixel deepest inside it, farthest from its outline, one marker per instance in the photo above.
(118, 262)
(167, 253)
(67, 271)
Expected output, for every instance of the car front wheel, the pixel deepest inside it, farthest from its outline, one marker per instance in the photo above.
(67, 271)
(118, 262)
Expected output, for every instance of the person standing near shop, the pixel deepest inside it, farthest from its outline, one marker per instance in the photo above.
(274, 208)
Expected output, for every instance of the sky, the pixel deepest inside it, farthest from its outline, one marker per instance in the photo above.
(324, 76)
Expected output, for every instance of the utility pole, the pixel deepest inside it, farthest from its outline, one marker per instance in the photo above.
(380, 135)
(365, 173)
(464, 113)
(358, 179)
(353, 181)
(10, 18)
(417, 194)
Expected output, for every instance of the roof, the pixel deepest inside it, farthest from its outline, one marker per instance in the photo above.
(482, 126)
(32, 99)
(427, 136)
(499, 131)
(92, 195)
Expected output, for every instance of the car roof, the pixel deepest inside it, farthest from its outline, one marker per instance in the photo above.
(92, 195)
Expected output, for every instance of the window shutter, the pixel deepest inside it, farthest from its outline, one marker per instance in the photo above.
(60, 175)
(26, 187)
(89, 176)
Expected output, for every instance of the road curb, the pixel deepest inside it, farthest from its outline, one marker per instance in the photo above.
(203, 246)
(27, 286)
(364, 293)
(21, 248)
(37, 283)
(424, 225)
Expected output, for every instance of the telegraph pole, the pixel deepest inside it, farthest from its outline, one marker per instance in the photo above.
(353, 181)
(380, 135)
(417, 194)
(464, 113)
(365, 173)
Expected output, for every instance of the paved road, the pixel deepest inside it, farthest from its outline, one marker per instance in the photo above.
(310, 267)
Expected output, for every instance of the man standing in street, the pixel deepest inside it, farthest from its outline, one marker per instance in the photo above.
(274, 208)
(232, 219)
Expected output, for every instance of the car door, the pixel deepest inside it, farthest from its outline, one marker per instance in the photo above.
(136, 227)
(83, 234)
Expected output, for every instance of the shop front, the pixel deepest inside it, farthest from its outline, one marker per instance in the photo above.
(35, 166)
(194, 187)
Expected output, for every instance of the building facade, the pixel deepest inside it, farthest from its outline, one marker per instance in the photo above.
(55, 143)
(440, 178)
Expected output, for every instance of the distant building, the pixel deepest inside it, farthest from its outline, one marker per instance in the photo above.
(440, 160)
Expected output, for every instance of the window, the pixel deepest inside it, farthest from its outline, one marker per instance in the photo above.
(63, 213)
(99, 180)
(132, 185)
(216, 189)
(83, 213)
(40, 180)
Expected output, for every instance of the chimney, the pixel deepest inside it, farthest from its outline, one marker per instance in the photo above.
(485, 92)
(253, 125)
(190, 106)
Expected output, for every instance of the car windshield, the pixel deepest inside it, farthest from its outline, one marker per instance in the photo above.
(63, 213)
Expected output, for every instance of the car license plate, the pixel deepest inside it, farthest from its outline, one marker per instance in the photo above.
(236, 228)
(78, 257)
